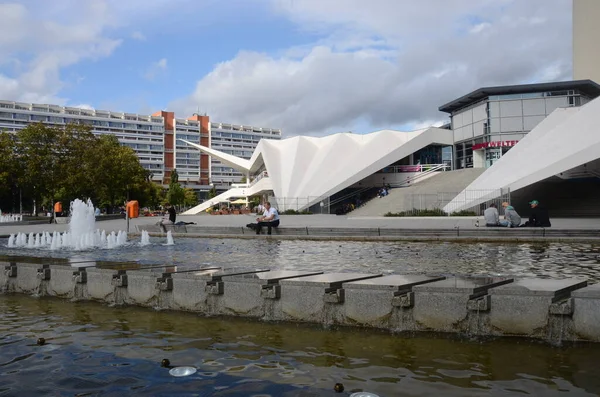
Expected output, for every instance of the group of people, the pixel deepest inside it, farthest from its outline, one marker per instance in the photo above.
(538, 216)
(384, 191)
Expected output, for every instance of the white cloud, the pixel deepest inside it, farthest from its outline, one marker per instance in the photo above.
(137, 35)
(386, 62)
(41, 39)
(479, 27)
(83, 106)
(155, 69)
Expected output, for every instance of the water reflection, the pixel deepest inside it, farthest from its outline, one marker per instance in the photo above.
(552, 260)
(92, 348)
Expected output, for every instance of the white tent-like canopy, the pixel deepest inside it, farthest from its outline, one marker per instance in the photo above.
(315, 168)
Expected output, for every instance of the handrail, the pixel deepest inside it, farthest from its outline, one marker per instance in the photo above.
(260, 176)
(397, 169)
(420, 175)
(347, 196)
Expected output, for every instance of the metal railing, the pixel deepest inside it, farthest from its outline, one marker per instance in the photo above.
(418, 204)
(350, 195)
(258, 178)
(312, 204)
(395, 169)
(420, 175)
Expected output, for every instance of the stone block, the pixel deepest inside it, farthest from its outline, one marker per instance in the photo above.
(375, 302)
(141, 288)
(316, 299)
(61, 284)
(189, 292)
(100, 284)
(523, 307)
(244, 294)
(443, 305)
(27, 279)
(586, 313)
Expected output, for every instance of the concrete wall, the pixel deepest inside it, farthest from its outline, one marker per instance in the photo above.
(586, 35)
(551, 310)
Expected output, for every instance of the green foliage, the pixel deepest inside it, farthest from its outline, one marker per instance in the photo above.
(63, 163)
(175, 194)
(190, 197)
(212, 193)
(8, 164)
(294, 212)
(464, 213)
(416, 212)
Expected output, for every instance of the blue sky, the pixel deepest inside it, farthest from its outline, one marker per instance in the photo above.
(306, 66)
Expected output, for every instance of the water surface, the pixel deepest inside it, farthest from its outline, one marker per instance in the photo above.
(95, 350)
(550, 260)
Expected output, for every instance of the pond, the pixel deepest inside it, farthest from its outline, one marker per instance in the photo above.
(93, 350)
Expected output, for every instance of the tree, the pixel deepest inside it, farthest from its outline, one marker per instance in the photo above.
(190, 197)
(7, 160)
(9, 171)
(212, 192)
(175, 194)
(117, 170)
(41, 151)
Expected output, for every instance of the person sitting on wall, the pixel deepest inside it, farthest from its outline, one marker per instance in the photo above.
(539, 216)
(269, 219)
(491, 216)
(170, 220)
(511, 217)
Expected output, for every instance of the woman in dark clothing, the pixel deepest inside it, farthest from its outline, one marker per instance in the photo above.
(172, 213)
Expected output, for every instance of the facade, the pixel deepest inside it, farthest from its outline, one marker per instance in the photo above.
(237, 140)
(144, 134)
(301, 172)
(586, 35)
(566, 145)
(490, 121)
(156, 139)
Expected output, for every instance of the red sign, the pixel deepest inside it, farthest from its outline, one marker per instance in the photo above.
(486, 145)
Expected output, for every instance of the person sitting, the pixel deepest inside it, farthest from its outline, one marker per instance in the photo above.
(539, 216)
(269, 219)
(491, 216)
(171, 220)
(511, 217)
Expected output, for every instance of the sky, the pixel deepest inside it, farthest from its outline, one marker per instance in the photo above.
(309, 67)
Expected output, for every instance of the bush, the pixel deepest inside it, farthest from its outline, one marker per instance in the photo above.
(464, 213)
(416, 212)
(294, 212)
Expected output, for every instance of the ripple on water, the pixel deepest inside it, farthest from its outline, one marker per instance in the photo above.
(232, 357)
(555, 260)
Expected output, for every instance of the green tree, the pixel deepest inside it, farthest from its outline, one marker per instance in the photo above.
(42, 157)
(175, 194)
(190, 197)
(212, 192)
(8, 164)
(117, 170)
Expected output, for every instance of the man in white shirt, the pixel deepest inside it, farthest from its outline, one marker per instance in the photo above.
(269, 219)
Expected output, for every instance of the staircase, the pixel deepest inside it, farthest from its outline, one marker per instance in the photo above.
(433, 192)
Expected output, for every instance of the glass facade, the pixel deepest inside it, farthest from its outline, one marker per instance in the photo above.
(501, 121)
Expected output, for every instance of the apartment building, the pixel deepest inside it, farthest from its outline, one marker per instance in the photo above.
(156, 139)
(237, 140)
(144, 134)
